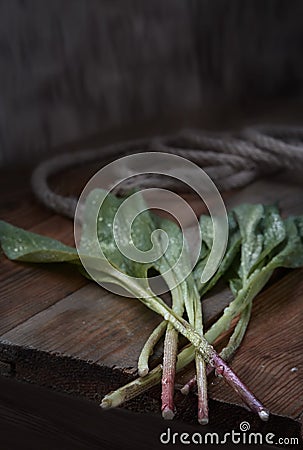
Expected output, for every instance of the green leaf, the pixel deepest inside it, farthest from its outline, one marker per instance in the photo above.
(291, 250)
(274, 229)
(299, 223)
(175, 267)
(109, 221)
(232, 250)
(235, 285)
(101, 220)
(274, 232)
(227, 261)
(249, 218)
(278, 244)
(173, 249)
(207, 230)
(98, 245)
(262, 230)
(21, 245)
(112, 229)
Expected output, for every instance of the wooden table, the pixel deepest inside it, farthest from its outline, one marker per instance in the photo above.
(61, 331)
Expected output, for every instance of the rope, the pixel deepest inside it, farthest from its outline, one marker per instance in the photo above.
(231, 160)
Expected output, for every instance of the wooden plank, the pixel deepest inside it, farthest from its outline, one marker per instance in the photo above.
(284, 190)
(27, 289)
(91, 324)
(71, 328)
(97, 326)
(29, 420)
(270, 351)
(270, 359)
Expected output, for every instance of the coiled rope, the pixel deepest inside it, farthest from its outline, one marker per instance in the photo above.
(232, 160)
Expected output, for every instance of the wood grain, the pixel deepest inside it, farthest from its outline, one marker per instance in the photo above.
(91, 324)
(59, 330)
(270, 359)
(29, 420)
(41, 287)
(97, 326)
(27, 289)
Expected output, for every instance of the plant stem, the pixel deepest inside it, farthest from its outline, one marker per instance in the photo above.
(238, 334)
(169, 370)
(231, 378)
(201, 377)
(201, 380)
(132, 389)
(228, 351)
(170, 355)
(209, 354)
(201, 344)
(148, 348)
(141, 384)
(244, 297)
(190, 385)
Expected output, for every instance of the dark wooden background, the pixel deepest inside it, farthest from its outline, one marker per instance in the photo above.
(74, 68)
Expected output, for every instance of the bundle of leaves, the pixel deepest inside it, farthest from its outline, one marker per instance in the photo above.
(259, 242)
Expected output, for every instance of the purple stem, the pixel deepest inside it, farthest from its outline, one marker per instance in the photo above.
(232, 379)
(222, 370)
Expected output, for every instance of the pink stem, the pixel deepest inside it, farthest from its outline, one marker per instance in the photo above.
(169, 371)
(190, 385)
(232, 379)
(222, 369)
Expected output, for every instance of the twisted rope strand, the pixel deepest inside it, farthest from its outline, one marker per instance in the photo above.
(232, 161)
